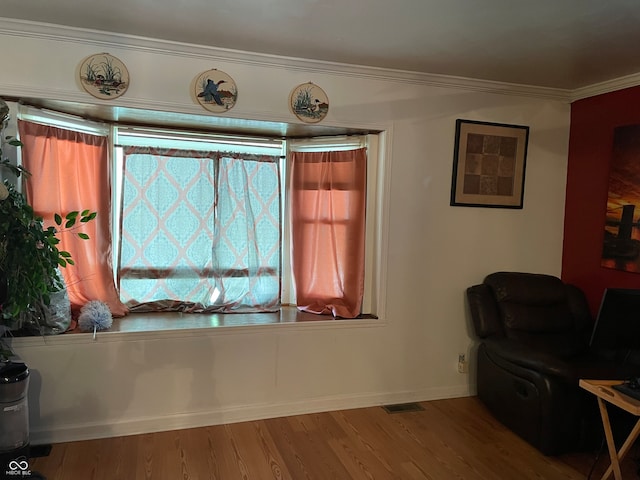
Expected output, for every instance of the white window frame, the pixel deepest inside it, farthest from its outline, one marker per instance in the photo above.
(124, 136)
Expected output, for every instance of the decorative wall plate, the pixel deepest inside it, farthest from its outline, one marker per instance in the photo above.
(104, 76)
(309, 103)
(215, 91)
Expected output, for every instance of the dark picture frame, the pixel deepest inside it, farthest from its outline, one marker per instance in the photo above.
(489, 164)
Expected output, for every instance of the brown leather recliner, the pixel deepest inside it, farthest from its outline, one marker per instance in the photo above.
(534, 334)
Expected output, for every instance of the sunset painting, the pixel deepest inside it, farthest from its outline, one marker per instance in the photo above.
(621, 246)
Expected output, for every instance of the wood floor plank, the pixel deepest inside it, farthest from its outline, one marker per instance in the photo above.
(315, 452)
(144, 463)
(288, 440)
(118, 458)
(449, 439)
(372, 442)
(223, 462)
(257, 452)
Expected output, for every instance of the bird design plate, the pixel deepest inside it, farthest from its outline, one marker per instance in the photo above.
(104, 76)
(215, 91)
(309, 103)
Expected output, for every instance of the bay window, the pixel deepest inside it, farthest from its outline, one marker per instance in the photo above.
(202, 222)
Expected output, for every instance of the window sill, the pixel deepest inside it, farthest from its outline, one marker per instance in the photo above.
(145, 326)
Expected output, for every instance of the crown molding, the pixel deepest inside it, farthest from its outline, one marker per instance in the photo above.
(609, 86)
(101, 39)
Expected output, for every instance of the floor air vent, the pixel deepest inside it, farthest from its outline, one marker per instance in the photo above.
(403, 407)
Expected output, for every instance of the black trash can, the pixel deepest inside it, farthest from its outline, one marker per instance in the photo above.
(14, 417)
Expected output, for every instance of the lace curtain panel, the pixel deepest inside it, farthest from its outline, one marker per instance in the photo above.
(200, 231)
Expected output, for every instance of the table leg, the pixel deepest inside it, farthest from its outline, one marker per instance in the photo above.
(613, 455)
(616, 457)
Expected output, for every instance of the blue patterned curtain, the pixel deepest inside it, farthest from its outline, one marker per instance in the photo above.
(200, 231)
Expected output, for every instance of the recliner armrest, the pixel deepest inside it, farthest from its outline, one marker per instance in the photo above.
(526, 357)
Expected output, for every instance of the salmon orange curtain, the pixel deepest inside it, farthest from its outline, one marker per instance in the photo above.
(328, 199)
(70, 172)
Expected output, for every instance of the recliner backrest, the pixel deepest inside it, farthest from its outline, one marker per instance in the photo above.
(538, 310)
(531, 302)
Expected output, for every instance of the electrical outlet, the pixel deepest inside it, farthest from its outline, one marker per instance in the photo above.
(462, 363)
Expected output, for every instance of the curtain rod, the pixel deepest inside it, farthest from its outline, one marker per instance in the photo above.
(195, 129)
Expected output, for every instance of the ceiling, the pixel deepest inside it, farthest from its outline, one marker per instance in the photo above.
(561, 44)
(564, 44)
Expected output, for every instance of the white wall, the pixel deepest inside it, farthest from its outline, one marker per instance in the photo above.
(81, 388)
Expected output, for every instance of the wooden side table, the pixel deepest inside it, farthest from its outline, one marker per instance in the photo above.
(602, 389)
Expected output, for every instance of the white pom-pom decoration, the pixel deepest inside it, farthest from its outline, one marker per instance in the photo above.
(94, 315)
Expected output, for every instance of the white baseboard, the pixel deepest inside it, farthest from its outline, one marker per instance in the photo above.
(135, 426)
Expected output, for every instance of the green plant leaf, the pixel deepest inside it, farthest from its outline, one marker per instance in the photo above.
(83, 236)
(31, 254)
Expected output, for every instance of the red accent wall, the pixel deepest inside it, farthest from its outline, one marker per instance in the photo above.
(593, 121)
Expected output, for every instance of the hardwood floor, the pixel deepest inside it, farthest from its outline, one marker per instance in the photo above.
(448, 439)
